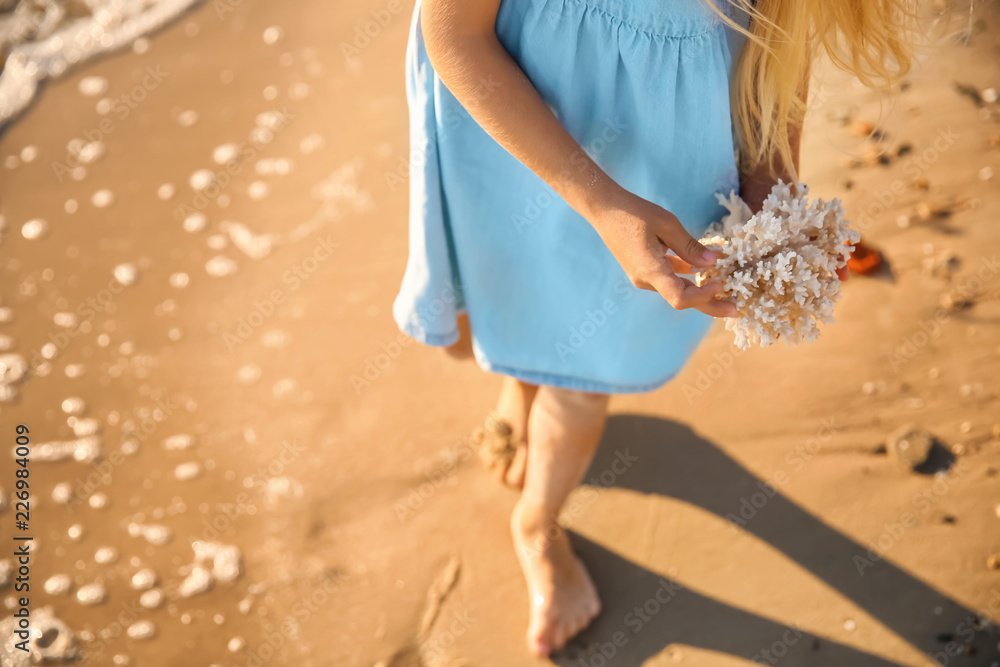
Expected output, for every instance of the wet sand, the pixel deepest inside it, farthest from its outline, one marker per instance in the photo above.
(746, 512)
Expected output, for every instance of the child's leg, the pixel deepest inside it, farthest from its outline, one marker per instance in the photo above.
(463, 348)
(564, 428)
(512, 408)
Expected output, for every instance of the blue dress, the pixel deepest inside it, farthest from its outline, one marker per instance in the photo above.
(643, 86)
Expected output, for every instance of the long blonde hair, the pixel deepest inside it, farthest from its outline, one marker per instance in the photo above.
(871, 39)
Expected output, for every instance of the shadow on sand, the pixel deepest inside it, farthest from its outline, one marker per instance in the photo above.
(675, 462)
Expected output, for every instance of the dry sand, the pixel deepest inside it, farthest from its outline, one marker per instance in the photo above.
(370, 536)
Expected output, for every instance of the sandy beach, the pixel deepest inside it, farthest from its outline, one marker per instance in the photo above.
(252, 438)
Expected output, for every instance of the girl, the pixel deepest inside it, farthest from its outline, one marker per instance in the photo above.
(565, 157)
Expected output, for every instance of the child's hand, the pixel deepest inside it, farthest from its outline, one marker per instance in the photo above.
(639, 234)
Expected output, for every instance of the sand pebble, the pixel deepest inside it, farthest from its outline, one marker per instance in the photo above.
(255, 246)
(74, 370)
(73, 405)
(91, 594)
(141, 630)
(62, 493)
(106, 555)
(178, 442)
(276, 338)
(189, 470)
(154, 534)
(179, 280)
(75, 532)
(993, 562)
(58, 584)
(226, 559)
(166, 191)
(35, 229)
(989, 95)
(65, 320)
(986, 173)
(225, 153)
(92, 86)
(910, 446)
(271, 120)
(29, 153)
(84, 450)
(151, 599)
(89, 152)
(274, 166)
(220, 266)
(273, 34)
(955, 301)
(258, 190)
(261, 135)
(195, 222)
(102, 198)
(850, 625)
(144, 579)
(98, 501)
(312, 144)
(126, 273)
(248, 374)
(201, 179)
(198, 581)
(270, 92)
(187, 118)
(236, 644)
(84, 427)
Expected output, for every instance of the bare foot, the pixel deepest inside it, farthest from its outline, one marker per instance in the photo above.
(502, 442)
(563, 598)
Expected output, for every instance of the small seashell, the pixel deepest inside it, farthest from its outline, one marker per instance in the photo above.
(91, 594)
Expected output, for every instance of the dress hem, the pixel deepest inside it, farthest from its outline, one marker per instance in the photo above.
(568, 382)
(533, 377)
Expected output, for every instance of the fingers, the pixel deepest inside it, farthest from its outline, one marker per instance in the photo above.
(719, 308)
(675, 237)
(679, 265)
(681, 294)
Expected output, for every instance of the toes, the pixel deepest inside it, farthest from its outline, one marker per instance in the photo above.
(540, 639)
(539, 648)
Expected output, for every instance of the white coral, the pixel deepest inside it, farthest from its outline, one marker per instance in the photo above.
(780, 264)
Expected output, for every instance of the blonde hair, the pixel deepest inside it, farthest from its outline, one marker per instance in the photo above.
(871, 39)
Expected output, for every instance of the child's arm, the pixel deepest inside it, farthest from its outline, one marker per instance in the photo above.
(756, 186)
(460, 37)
